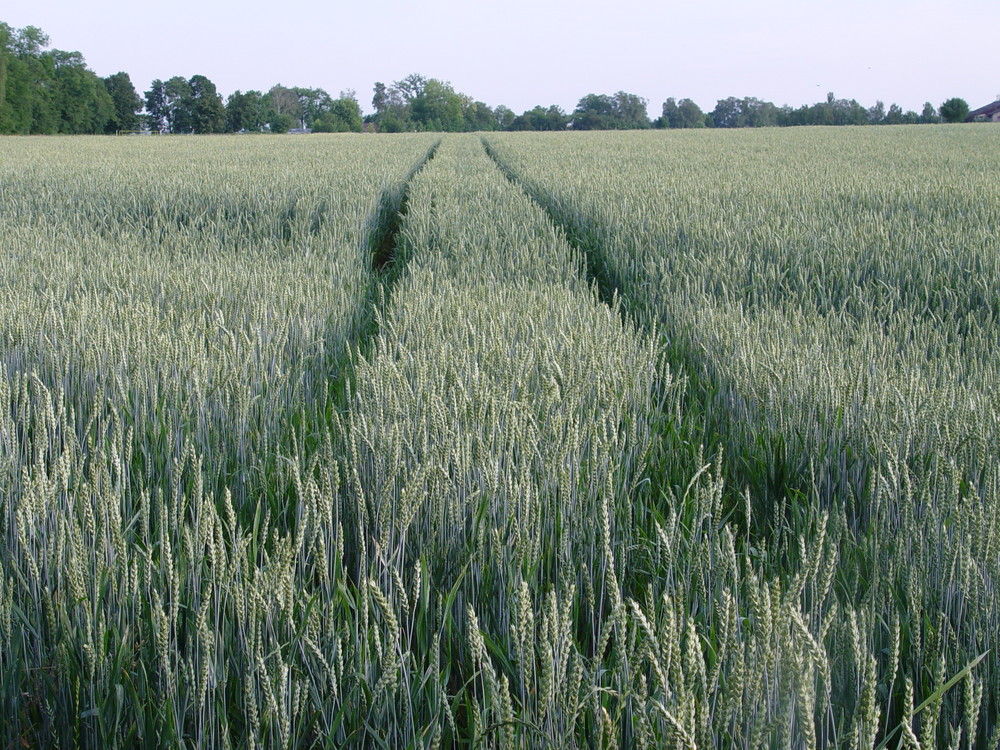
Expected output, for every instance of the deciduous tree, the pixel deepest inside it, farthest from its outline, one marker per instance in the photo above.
(594, 112)
(541, 118)
(954, 110)
(504, 116)
(313, 104)
(205, 111)
(630, 111)
(929, 114)
(342, 116)
(620, 111)
(437, 107)
(245, 111)
(284, 107)
(156, 106)
(682, 114)
(478, 115)
(126, 101)
(392, 110)
(80, 99)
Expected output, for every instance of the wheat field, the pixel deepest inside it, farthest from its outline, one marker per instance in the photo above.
(602, 440)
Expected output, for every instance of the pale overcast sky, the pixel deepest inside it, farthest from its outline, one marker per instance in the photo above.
(527, 52)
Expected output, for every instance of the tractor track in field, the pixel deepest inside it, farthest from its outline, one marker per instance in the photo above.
(387, 263)
(387, 267)
(388, 220)
(597, 270)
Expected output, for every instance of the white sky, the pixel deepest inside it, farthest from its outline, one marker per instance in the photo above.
(527, 52)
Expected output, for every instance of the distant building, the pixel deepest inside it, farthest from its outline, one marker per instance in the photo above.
(989, 113)
(299, 131)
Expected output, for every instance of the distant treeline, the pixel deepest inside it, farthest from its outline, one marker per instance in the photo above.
(52, 91)
(49, 91)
